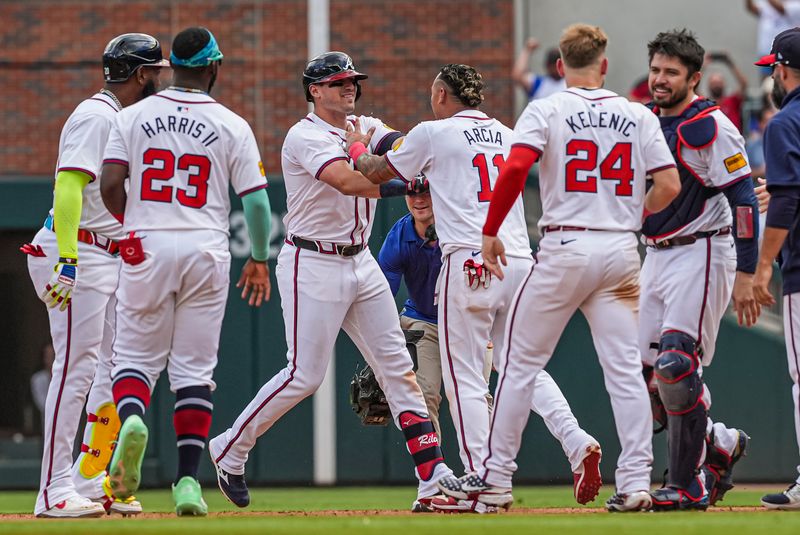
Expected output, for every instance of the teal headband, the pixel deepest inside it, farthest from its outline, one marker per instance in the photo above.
(203, 57)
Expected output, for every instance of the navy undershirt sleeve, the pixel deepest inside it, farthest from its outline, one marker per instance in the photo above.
(783, 206)
(742, 194)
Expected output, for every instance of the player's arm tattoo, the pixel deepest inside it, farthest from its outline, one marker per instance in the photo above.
(375, 168)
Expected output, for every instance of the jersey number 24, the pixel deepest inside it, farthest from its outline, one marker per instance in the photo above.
(199, 168)
(615, 166)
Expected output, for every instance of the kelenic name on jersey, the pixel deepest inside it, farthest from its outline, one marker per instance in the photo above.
(579, 121)
(180, 125)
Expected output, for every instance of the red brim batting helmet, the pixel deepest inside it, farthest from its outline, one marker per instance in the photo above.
(329, 67)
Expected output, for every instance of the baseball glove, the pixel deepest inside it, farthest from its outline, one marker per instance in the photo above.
(366, 396)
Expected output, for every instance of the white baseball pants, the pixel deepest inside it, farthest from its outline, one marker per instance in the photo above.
(467, 320)
(598, 273)
(78, 335)
(321, 294)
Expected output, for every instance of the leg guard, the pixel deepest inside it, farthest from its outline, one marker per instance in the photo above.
(681, 389)
(105, 428)
(422, 443)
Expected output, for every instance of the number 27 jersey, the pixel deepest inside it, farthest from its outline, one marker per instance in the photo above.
(597, 149)
(182, 150)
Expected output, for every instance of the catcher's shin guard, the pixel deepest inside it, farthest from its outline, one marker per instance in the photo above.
(422, 443)
(97, 453)
(681, 390)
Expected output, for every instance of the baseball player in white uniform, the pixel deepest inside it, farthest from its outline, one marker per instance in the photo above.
(692, 270)
(182, 151)
(461, 154)
(329, 281)
(596, 150)
(79, 236)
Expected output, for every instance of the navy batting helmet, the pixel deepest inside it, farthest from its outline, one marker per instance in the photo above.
(126, 53)
(329, 67)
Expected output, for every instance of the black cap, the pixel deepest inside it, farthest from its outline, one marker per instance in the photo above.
(785, 50)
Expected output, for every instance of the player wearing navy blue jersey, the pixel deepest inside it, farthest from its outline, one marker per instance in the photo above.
(781, 235)
(701, 253)
(411, 253)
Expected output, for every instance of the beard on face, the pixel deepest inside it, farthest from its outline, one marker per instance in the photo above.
(777, 94)
(676, 97)
(149, 89)
(715, 92)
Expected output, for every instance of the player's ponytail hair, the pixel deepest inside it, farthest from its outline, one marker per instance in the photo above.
(465, 82)
(582, 45)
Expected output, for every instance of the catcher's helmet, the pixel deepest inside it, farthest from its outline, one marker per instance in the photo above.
(126, 53)
(329, 67)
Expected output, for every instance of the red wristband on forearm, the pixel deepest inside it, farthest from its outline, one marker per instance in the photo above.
(356, 150)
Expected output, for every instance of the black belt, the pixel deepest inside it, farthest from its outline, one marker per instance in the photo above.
(688, 240)
(325, 247)
(560, 228)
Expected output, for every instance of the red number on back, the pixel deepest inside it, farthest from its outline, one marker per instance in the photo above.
(200, 170)
(165, 172)
(479, 162)
(615, 166)
(198, 180)
(588, 163)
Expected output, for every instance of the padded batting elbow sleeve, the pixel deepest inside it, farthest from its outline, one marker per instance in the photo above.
(67, 208)
(744, 206)
(258, 214)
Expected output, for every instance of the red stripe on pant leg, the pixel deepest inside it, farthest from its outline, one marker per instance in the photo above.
(191, 422)
(58, 403)
(705, 294)
(462, 435)
(507, 350)
(131, 386)
(291, 374)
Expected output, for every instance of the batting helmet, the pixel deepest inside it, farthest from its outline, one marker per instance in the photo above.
(126, 53)
(329, 67)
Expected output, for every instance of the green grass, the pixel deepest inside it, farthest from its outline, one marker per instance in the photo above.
(400, 498)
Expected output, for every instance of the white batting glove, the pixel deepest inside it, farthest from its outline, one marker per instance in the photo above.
(59, 290)
(476, 275)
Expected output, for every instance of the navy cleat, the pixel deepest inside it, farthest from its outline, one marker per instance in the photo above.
(232, 486)
(672, 499)
(718, 468)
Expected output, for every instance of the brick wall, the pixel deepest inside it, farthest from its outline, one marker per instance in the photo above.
(51, 60)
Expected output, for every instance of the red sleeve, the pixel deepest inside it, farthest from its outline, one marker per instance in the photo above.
(509, 185)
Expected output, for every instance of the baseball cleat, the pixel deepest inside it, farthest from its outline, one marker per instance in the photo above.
(473, 487)
(633, 501)
(233, 486)
(718, 469)
(125, 472)
(423, 505)
(587, 479)
(787, 500)
(672, 499)
(75, 506)
(448, 504)
(127, 507)
(188, 497)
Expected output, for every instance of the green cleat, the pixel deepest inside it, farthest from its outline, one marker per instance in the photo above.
(188, 497)
(125, 473)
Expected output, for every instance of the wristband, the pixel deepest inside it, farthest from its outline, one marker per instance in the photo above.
(356, 150)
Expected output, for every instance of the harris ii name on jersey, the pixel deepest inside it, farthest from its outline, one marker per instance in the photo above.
(614, 121)
(180, 125)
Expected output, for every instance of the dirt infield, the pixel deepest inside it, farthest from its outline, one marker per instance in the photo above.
(517, 511)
